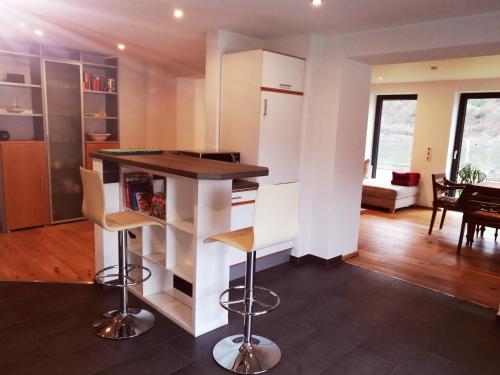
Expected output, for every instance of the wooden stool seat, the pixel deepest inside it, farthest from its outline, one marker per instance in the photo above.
(125, 220)
(241, 239)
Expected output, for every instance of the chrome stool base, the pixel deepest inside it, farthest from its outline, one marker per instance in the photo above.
(117, 325)
(257, 357)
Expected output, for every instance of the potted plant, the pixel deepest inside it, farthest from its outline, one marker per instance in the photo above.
(471, 175)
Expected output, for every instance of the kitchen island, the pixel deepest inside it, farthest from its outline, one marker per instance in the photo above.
(188, 274)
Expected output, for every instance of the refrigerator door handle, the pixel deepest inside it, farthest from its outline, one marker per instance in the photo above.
(265, 107)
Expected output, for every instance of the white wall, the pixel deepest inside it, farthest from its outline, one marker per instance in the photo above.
(147, 106)
(132, 104)
(190, 113)
(435, 123)
(220, 42)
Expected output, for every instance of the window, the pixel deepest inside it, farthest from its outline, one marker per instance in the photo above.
(393, 134)
(477, 139)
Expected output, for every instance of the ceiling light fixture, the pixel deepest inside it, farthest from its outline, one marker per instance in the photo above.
(380, 78)
(178, 13)
(22, 24)
(38, 32)
(316, 3)
(121, 46)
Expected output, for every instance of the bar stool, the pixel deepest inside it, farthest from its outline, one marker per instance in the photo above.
(275, 221)
(126, 322)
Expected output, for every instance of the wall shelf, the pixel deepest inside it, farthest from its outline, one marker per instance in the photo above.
(100, 118)
(100, 92)
(107, 66)
(20, 54)
(13, 84)
(3, 112)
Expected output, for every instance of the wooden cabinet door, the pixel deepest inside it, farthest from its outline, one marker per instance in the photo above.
(91, 147)
(25, 184)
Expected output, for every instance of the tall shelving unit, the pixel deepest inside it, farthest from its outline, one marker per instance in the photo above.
(44, 101)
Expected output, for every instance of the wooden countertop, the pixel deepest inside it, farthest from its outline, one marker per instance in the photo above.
(187, 166)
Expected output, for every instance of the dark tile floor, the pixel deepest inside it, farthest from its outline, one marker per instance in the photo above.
(338, 320)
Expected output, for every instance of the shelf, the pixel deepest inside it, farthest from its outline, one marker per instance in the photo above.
(100, 65)
(172, 308)
(13, 84)
(100, 92)
(19, 54)
(3, 112)
(145, 214)
(184, 271)
(158, 258)
(182, 225)
(135, 248)
(107, 141)
(100, 118)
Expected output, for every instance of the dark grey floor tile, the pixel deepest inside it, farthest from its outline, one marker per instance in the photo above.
(394, 341)
(205, 365)
(23, 356)
(331, 342)
(487, 358)
(161, 359)
(85, 360)
(422, 362)
(360, 362)
(284, 330)
(64, 342)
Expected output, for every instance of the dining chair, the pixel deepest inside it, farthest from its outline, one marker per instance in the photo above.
(481, 207)
(440, 189)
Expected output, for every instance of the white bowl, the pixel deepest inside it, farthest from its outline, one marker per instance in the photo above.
(99, 136)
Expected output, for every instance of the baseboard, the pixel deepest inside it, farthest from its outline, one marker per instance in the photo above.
(350, 255)
(238, 270)
(313, 259)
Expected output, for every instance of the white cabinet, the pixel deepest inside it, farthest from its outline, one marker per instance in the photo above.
(261, 111)
(282, 72)
(279, 138)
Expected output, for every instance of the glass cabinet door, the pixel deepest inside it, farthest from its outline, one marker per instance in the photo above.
(64, 121)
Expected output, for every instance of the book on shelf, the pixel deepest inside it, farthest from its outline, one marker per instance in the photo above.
(135, 182)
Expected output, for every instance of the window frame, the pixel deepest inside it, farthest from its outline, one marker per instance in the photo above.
(377, 124)
(459, 130)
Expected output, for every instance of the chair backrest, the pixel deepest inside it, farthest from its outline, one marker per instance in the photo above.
(93, 205)
(437, 180)
(276, 216)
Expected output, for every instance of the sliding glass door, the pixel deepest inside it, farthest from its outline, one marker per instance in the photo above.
(477, 139)
(393, 134)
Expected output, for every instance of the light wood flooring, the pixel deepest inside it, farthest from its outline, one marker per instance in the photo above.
(398, 245)
(63, 252)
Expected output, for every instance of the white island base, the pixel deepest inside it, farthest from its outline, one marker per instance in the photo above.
(176, 254)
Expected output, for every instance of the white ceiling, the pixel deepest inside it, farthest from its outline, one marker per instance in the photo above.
(150, 32)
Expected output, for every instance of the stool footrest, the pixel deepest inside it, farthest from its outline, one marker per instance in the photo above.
(266, 306)
(101, 276)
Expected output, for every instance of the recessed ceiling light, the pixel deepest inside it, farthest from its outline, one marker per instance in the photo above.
(39, 32)
(22, 24)
(178, 13)
(316, 3)
(380, 77)
(121, 46)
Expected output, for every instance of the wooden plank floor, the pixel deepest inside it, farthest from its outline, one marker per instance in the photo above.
(63, 252)
(398, 245)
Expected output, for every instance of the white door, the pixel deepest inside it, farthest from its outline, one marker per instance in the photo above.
(279, 143)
